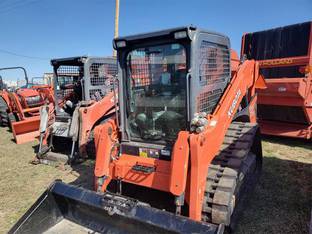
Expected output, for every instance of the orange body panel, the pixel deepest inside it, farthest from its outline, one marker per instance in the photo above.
(160, 179)
(179, 164)
(106, 135)
(286, 130)
(205, 146)
(292, 92)
(191, 155)
(26, 130)
(90, 115)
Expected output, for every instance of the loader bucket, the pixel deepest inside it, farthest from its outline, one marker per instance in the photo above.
(26, 130)
(69, 209)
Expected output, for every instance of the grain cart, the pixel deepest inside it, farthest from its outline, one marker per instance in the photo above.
(83, 98)
(182, 151)
(20, 109)
(285, 59)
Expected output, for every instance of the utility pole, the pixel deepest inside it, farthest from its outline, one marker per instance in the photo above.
(116, 24)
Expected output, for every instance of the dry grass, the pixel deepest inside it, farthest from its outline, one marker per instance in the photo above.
(280, 203)
(21, 183)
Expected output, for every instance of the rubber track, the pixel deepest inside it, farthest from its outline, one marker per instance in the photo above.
(228, 172)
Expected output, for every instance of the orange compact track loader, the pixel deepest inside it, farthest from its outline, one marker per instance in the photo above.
(285, 60)
(83, 99)
(183, 149)
(20, 109)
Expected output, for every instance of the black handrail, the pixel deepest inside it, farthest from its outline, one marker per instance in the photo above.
(11, 68)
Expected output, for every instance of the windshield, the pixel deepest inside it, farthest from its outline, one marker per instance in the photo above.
(156, 92)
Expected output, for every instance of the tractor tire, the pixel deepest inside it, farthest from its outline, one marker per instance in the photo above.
(4, 122)
(11, 119)
(232, 174)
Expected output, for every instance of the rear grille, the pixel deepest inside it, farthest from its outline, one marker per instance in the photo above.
(214, 64)
(34, 101)
(208, 100)
(214, 74)
(292, 114)
(102, 76)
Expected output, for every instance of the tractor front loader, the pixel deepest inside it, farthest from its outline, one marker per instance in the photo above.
(83, 98)
(20, 109)
(183, 149)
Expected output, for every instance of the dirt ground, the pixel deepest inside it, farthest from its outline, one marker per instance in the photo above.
(280, 203)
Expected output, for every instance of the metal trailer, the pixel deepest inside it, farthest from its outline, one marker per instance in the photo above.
(285, 60)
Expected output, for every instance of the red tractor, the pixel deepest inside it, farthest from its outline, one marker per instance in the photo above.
(20, 109)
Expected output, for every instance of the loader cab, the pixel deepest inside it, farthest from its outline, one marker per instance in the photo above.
(165, 78)
(81, 78)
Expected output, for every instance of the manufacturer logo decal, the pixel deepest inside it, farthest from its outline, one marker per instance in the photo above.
(234, 103)
(276, 62)
(281, 89)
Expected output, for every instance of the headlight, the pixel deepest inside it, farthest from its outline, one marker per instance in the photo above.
(180, 35)
(120, 44)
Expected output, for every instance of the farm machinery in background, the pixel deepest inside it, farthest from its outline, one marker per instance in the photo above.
(285, 60)
(3, 86)
(19, 109)
(182, 150)
(83, 99)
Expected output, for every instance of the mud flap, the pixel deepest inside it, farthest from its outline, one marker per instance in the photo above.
(26, 130)
(69, 209)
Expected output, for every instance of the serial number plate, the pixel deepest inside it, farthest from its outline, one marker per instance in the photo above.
(148, 153)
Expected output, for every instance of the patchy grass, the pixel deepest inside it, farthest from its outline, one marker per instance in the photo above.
(21, 183)
(280, 203)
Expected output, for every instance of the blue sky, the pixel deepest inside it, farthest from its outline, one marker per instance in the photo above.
(61, 28)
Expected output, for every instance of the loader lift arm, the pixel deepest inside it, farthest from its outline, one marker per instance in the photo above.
(206, 145)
